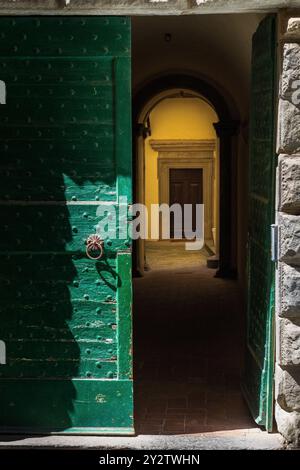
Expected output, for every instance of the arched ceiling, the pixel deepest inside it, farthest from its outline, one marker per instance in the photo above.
(217, 47)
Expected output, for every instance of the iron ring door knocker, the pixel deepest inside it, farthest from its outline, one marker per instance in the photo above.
(94, 244)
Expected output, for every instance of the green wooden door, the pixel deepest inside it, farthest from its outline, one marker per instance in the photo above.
(65, 150)
(258, 380)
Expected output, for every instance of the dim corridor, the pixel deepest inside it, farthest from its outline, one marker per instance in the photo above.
(188, 349)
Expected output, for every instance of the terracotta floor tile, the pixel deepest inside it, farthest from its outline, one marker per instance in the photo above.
(188, 351)
(195, 420)
(177, 403)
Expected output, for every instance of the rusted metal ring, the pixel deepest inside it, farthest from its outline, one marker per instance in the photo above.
(94, 243)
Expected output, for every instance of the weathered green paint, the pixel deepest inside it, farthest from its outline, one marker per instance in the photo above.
(123, 147)
(73, 406)
(65, 148)
(258, 380)
(71, 224)
(124, 302)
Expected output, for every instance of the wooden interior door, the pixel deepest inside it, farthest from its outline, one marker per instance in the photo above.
(186, 187)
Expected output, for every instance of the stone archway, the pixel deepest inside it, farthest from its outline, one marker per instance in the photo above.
(144, 100)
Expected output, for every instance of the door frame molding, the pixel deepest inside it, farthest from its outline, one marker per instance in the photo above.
(192, 154)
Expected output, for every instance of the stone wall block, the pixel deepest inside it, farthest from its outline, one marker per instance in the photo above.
(289, 191)
(293, 29)
(287, 375)
(289, 238)
(288, 128)
(289, 103)
(290, 71)
(288, 424)
(289, 342)
(288, 388)
(288, 291)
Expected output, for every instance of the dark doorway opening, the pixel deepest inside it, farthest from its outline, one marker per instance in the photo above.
(189, 330)
(188, 349)
(186, 188)
(190, 321)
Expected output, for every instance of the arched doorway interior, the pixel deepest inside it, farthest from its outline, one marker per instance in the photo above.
(144, 101)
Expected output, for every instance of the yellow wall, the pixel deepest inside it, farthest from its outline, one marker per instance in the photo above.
(175, 118)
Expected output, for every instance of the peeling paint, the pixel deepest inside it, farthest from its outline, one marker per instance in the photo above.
(2, 92)
(100, 398)
(2, 352)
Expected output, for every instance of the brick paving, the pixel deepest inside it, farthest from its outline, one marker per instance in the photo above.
(189, 337)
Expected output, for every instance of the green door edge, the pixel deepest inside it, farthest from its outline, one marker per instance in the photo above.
(264, 414)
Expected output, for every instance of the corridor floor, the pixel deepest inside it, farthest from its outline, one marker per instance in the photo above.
(171, 254)
(189, 335)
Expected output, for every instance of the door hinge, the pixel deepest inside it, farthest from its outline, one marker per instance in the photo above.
(274, 243)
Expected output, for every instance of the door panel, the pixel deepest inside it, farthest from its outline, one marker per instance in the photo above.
(258, 380)
(186, 187)
(65, 149)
